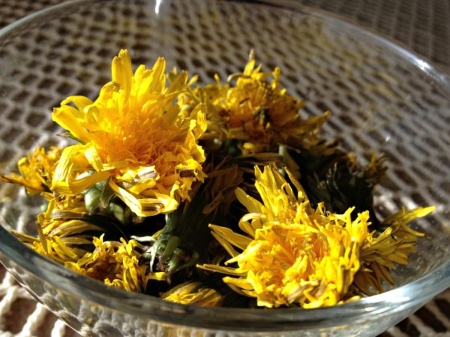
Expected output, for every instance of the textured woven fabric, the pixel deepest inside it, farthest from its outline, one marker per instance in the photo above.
(423, 26)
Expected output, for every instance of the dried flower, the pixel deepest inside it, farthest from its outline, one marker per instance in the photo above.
(36, 170)
(386, 249)
(256, 112)
(56, 249)
(116, 263)
(65, 234)
(193, 293)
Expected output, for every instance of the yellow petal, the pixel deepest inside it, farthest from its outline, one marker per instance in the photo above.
(121, 71)
(226, 234)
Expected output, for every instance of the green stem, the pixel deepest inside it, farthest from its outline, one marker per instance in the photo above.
(185, 238)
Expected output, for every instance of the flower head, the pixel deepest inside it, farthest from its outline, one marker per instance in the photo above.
(36, 170)
(135, 137)
(116, 263)
(193, 293)
(65, 231)
(253, 109)
(388, 248)
(55, 249)
(293, 254)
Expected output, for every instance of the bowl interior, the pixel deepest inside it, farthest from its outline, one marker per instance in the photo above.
(382, 97)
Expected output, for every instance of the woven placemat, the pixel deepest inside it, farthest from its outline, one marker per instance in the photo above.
(422, 26)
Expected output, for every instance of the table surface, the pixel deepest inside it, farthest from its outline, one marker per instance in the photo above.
(421, 25)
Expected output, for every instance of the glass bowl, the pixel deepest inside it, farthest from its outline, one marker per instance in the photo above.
(382, 97)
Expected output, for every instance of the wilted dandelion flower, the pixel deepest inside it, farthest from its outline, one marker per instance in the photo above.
(387, 249)
(133, 136)
(65, 234)
(253, 109)
(116, 263)
(54, 248)
(193, 293)
(36, 170)
(292, 254)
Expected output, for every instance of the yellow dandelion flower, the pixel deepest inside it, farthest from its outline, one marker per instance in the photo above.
(36, 170)
(256, 111)
(59, 239)
(65, 233)
(135, 137)
(384, 251)
(66, 237)
(193, 293)
(116, 264)
(293, 254)
(56, 249)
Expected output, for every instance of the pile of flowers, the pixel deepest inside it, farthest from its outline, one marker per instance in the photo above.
(216, 195)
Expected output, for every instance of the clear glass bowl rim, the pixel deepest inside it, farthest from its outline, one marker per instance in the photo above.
(412, 294)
